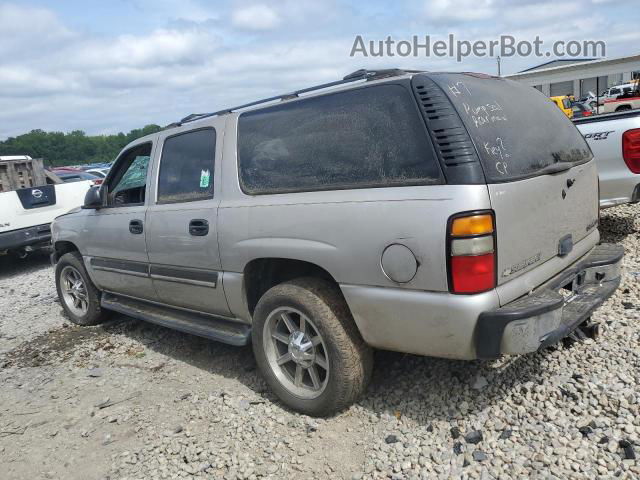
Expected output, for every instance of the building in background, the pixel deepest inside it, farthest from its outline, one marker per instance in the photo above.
(578, 77)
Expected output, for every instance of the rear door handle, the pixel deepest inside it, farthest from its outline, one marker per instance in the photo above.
(198, 227)
(135, 227)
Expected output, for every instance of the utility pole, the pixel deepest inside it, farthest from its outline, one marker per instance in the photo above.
(498, 59)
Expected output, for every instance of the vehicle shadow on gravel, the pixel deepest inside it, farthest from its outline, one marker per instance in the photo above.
(615, 228)
(11, 266)
(207, 355)
(422, 388)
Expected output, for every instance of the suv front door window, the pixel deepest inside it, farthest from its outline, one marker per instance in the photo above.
(128, 184)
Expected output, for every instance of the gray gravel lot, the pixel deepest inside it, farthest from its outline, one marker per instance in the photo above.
(128, 400)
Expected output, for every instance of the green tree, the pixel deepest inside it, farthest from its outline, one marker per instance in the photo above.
(73, 148)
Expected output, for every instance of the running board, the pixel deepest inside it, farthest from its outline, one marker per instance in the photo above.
(207, 326)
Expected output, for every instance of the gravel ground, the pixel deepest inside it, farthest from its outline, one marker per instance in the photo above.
(128, 400)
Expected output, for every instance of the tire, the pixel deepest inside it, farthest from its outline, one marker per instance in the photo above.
(341, 348)
(72, 264)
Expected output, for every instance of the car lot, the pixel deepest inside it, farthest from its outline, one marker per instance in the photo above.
(132, 400)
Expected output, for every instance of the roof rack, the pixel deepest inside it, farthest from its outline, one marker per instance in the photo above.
(358, 75)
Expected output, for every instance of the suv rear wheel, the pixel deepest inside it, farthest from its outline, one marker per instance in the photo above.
(308, 347)
(78, 295)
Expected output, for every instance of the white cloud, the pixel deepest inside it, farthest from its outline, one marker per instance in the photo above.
(56, 77)
(191, 10)
(538, 13)
(460, 10)
(15, 20)
(160, 47)
(255, 17)
(35, 29)
(21, 81)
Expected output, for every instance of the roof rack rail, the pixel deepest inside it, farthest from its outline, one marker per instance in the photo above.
(377, 74)
(358, 75)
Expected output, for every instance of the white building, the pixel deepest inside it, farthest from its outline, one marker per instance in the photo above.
(579, 76)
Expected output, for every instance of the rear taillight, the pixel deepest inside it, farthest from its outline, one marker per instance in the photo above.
(471, 250)
(631, 149)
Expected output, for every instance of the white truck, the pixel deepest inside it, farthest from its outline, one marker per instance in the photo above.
(30, 199)
(614, 139)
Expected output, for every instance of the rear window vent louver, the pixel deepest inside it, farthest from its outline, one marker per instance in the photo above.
(453, 145)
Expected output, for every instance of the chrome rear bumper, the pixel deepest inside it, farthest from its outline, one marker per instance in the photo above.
(552, 311)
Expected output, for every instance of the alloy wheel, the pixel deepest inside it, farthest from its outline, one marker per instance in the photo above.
(296, 352)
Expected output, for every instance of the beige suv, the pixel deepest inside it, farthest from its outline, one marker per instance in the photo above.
(410, 211)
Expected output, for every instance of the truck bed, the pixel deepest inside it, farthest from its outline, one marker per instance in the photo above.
(603, 117)
(604, 134)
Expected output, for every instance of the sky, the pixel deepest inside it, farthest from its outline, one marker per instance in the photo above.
(106, 67)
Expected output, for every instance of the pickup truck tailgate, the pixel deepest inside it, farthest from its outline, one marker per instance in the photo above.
(34, 206)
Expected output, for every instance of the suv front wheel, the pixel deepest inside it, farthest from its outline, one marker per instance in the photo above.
(308, 347)
(78, 295)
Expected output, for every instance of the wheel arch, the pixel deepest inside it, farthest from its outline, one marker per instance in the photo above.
(260, 274)
(61, 248)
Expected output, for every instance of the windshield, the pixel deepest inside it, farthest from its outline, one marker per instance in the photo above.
(511, 145)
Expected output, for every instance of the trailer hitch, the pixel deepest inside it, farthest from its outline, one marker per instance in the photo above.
(587, 329)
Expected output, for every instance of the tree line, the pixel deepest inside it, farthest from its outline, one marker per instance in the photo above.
(74, 148)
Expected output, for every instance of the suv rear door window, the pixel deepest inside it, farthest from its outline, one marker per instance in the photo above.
(517, 131)
(186, 167)
(367, 137)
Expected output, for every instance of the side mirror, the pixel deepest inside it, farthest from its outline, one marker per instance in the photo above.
(93, 198)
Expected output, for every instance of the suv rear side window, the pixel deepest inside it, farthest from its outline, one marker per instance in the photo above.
(186, 167)
(367, 137)
(518, 133)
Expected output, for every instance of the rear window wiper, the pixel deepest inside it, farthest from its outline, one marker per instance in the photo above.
(555, 168)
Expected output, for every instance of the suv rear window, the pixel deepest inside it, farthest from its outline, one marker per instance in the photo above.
(367, 137)
(517, 131)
